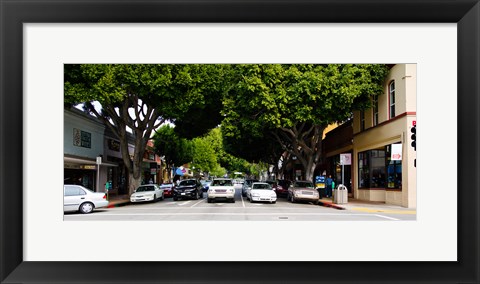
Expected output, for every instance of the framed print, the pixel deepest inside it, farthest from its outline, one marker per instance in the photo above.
(41, 251)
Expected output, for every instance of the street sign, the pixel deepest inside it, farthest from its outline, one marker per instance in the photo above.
(346, 159)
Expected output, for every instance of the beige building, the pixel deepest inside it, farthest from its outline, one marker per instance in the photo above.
(384, 166)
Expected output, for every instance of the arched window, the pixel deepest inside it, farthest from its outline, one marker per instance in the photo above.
(391, 91)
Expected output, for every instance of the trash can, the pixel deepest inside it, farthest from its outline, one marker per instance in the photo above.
(340, 195)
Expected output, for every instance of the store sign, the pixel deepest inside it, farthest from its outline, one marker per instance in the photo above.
(320, 181)
(396, 154)
(88, 167)
(345, 159)
(114, 145)
(153, 168)
(82, 138)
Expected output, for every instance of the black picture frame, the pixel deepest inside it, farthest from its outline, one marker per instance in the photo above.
(465, 13)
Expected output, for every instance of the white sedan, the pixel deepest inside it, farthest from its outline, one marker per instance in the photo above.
(79, 198)
(147, 192)
(261, 191)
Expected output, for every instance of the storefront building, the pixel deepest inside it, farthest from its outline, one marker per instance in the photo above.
(383, 158)
(151, 165)
(118, 177)
(338, 142)
(84, 159)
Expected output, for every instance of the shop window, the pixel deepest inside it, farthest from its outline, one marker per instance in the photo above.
(377, 168)
(394, 172)
(371, 169)
(363, 170)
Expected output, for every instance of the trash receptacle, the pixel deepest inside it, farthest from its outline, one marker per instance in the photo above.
(340, 195)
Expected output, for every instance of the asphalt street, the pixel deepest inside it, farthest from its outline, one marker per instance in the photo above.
(241, 210)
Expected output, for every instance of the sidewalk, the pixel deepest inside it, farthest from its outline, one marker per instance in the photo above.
(368, 206)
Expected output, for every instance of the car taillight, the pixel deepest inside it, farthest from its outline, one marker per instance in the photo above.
(104, 196)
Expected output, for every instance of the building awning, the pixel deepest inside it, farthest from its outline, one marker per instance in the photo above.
(84, 161)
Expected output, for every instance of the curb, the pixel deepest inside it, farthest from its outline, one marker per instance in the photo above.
(118, 204)
(331, 205)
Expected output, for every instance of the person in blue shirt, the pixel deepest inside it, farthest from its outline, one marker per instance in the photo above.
(328, 190)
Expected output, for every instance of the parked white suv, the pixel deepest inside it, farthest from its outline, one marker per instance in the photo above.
(221, 188)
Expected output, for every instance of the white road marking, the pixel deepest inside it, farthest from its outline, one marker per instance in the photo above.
(184, 203)
(198, 203)
(243, 203)
(386, 217)
(266, 207)
(231, 214)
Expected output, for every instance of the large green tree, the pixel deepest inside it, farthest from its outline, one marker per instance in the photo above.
(295, 103)
(141, 97)
(175, 150)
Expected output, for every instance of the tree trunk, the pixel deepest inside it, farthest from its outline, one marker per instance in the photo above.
(134, 183)
(306, 144)
(310, 169)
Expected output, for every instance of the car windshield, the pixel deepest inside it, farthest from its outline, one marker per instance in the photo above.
(145, 188)
(303, 184)
(222, 182)
(261, 186)
(187, 182)
(249, 182)
(166, 185)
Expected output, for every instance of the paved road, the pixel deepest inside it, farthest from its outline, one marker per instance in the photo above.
(241, 210)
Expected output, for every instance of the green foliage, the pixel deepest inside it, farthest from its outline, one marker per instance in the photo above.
(204, 157)
(258, 106)
(177, 91)
(294, 103)
(276, 96)
(177, 151)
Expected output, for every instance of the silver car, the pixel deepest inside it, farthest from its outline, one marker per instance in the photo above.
(221, 188)
(302, 190)
(79, 198)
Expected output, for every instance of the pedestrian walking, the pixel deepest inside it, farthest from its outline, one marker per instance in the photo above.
(328, 190)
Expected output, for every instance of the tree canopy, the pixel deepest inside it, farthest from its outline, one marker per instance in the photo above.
(295, 102)
(264, 109)
(141, 97)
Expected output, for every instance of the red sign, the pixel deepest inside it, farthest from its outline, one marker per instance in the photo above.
(414, 123)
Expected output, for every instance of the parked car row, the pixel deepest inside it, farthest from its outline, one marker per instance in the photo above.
(83, 200)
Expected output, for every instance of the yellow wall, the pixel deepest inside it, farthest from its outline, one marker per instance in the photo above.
(388, 132)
